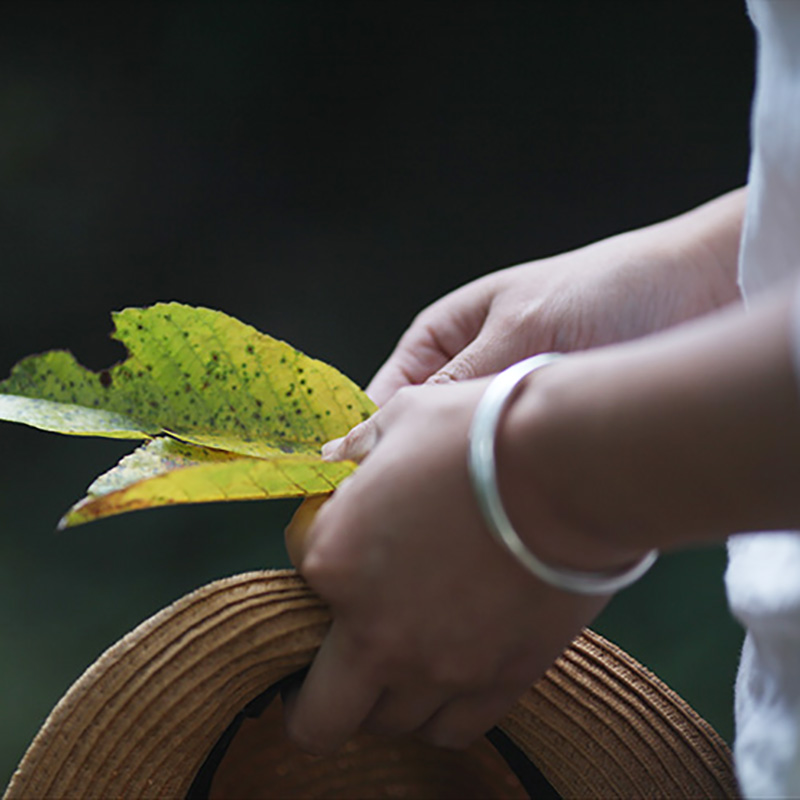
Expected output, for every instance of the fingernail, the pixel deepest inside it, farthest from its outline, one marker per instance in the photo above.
(331, 448)
(440, 378)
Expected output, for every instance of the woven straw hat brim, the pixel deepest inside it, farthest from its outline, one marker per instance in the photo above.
(141, 721)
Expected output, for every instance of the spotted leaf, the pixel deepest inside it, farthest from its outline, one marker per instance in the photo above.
(229, 412)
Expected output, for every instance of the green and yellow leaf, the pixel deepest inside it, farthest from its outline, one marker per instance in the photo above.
(231, 413)
(165, 472)
(197, 375)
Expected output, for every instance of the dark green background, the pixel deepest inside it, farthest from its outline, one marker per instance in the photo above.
(321, 170)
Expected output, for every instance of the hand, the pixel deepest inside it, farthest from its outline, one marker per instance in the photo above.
(615, 290)
(437, 629)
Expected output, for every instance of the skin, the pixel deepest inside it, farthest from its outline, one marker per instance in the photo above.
(676, 423)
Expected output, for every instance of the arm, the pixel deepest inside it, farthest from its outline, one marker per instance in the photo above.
(674, 439)
(615, 290)
(611, 291)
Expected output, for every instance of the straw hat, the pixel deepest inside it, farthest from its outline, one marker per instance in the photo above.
(187, 705)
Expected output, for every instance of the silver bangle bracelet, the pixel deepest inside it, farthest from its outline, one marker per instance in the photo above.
(483, 472)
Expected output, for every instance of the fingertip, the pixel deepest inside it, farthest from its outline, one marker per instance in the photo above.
(332, 702)
(330, 449)
(298, 734)
(298, 729)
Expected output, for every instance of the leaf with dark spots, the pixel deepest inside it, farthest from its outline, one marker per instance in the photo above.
(164, 387)
(152, 395)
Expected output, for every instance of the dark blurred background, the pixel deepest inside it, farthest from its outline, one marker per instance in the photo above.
(321, 169)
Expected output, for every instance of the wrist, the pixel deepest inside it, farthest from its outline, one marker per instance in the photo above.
(483, 472)
(541, 471)
(680, 438)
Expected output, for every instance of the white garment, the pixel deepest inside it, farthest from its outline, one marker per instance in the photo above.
(763, 577)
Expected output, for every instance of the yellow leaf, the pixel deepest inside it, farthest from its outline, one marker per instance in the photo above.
(49, 415)
(230, 413)
(166, 472)
(196, 374)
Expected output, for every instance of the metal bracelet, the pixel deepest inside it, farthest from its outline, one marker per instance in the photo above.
(483, 472)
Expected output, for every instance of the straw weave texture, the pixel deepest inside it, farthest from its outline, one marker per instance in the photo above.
(142, 719)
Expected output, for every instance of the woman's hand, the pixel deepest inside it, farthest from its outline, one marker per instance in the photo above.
(669, 441)
(437, 629)
(615, 290)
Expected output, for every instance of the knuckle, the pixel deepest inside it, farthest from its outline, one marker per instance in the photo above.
(380, 650)
(403, 398)
(329, 556)
(423, 325)
(315, 569)
(334, 585)
(402, 402)
(328, 570)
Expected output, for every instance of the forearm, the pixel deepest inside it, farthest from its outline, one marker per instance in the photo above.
(706, 240)
(676, 439)
(697, 252)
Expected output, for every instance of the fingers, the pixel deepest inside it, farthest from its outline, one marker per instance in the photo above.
(335, 698)
(436, 367)
(491, 351)
(458, 723)
(338, 698)
(433, 338)
(418, 354)
(468, 364)
(405, 709)
(402, 369)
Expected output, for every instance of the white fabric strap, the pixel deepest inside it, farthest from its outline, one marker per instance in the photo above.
(483, 472)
